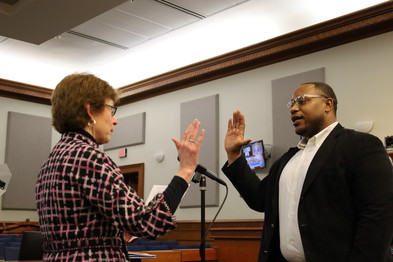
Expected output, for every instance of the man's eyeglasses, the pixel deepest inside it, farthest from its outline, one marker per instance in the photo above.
(301, 100)
(113, 109)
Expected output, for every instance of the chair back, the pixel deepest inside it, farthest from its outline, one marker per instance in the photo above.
(31, 246)
(14, 244)
(8, 236)
(134, 248)
(11, 253)
(3, 245)
(158, 247)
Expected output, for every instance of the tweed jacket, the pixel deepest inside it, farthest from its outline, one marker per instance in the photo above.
(345, 211)
(84, 205)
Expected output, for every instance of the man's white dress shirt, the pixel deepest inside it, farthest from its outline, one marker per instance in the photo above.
(290, 188)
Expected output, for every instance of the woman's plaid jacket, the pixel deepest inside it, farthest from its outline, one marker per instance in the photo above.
(84, 205)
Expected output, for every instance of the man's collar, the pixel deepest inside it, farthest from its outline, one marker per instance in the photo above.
(318, 138)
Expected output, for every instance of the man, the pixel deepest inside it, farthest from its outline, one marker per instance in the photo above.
(330, 199)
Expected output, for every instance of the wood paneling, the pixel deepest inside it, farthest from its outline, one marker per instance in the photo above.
(237, 240)
(188, 232)
(234, 240)
(191, 255)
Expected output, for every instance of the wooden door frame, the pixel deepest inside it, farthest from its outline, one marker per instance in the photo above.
(136, 168)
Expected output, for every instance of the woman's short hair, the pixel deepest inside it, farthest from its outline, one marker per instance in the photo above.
(70, 97)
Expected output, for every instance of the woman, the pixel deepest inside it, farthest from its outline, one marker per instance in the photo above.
(84, 206)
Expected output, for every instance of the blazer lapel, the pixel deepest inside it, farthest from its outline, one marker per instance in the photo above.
(321, 157)
(285, 158)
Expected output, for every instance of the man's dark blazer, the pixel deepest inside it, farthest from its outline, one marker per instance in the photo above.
(346, 205)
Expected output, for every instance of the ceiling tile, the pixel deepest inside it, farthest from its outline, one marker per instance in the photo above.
(206, 7)
(131, 23)
(158, 13)
(110, 34)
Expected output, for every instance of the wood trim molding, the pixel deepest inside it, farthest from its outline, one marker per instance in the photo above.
(365, 23)
(355, 26)
(25, 92)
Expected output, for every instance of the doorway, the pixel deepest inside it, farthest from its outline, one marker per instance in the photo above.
(134, 176)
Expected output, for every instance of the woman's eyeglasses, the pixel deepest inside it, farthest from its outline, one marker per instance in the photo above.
(113, 109)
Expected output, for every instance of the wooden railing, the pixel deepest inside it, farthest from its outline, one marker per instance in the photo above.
(18, 227)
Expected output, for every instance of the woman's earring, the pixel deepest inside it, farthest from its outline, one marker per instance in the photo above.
(92, 123)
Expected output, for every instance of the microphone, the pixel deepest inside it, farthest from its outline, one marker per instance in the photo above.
(204, 171)
(200, 170)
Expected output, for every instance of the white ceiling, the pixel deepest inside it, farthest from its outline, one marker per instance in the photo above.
(119, 23)
(64, 35)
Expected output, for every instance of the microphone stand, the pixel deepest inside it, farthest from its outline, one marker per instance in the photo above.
(202, 188)
(200, 177)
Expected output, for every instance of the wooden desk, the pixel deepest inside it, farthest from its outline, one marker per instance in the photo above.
(182, 255)
(191, 255)
(178, 255)
(133, 260)
(163, 256)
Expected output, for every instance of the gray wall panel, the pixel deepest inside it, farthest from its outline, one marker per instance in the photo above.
(284, 135)
(129, 131)
(28, 145)
(206, 111)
